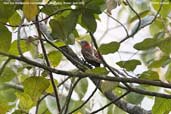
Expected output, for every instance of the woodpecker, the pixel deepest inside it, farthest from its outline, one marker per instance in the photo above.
(90, 54)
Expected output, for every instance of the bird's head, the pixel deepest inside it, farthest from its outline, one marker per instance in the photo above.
(84, 44)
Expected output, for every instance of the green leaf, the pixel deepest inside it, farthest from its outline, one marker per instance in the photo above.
(23, 45)
(81, 88)
(18, 112)
(25, 101)
(7, 75)
(55, 58)
(108, 86)
(149, 75)
(4, 108)
(15, 19)
(129, 65)
(59, 44)
(98, 70)
(109, 47)
(35, 86)
(141, 14)
(50, 88)
(165, 45)
(89, 21)
(146, 44)
(156, 27)
(161, 106)
(145, 21)
(5, 39)
(165, 9)
(163, 61)
(6, 11)
(7, 94)
(50, 8)
(168, 74)
(57, 29)
(51, 104)
(134, 98)
(94, 6)
(43, 108)
(62, 27)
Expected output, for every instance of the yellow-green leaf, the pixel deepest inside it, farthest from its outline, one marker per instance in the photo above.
(161, 106)
(107, 86)
(25, 101)
(98, 70)
(5, 38)
(30, 9)
(35, 86)
(55, 58)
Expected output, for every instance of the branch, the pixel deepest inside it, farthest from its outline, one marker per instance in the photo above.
(90, 75)
(4, 65)
(113, 101)
(149, 93)
(139, 23)
(48, 64)
(85, 100)
(23, 25)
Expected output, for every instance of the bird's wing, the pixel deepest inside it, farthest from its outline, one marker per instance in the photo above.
(89, 56)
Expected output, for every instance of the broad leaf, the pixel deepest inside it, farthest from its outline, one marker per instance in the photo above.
(129, 65)
(149, 75)
(25, 101)
(165, 9)
(98, 70)
(62, 27)
(35, 86)
(109, 48)
(161, 106)
(168, 74)
(81, 88)
(30, 10)
(5, 39)
(15, 19)
(108, 86)
(23, 45)
(55, 58)
(146, 44)
(145, 21)
(6, 11)
(156, 27)
(4, 107)
(165, 45)
(134, 98)
(7, 75)
(163, 61)
(89, 21)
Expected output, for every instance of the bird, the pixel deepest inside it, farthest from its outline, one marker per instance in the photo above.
(90, 54)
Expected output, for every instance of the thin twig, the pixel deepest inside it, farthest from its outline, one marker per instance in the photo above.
(145, 92)
(19, 38)
(88, 99)
(66, 105)
(48, 64)
(66, 79)
(113, 101)
(119, 23)
(139, 22)
(35, 22)
(4, 65)
(39, 101)
(90, 75)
